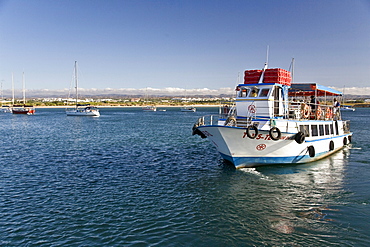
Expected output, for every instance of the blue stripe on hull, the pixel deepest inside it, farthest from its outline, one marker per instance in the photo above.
(241, 162)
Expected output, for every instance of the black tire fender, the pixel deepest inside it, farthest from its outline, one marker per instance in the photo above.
(253, 128)
(331, 146)
(311, 151)
(275, 133)
(300, 137)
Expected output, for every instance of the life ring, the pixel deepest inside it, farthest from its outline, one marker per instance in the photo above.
(311, 151)
(328, 113)
(299, 137)
(230, 121)
(275, 133)
(318, 112)
(254, 129)
(331, 146)
(305, 110)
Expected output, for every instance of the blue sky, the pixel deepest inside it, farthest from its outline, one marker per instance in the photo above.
(182, 44)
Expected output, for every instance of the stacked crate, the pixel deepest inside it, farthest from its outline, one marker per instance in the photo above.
(276, 75)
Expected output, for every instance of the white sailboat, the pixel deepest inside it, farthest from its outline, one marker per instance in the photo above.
(188, 109)
(148, 107)
(81, 109)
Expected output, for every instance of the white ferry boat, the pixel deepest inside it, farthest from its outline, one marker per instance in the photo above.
(276, 122)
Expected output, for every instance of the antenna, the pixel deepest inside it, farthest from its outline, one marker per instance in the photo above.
(291, 68)
(265, 67)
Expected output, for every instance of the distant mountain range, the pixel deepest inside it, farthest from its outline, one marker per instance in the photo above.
(352, 92)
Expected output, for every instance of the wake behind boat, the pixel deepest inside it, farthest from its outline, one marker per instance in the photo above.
(81, 109)
(272, 122)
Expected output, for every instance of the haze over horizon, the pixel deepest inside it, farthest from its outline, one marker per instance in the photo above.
(192, 45)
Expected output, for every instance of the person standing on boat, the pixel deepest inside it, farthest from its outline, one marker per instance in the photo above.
(313, 102)
(336, 106)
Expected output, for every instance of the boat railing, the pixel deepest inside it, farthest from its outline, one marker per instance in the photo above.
(228, 116)
(208, 120)
(302, 110)
(227, 109)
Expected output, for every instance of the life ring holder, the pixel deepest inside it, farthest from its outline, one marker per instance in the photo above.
(318, 112)
(305, 111)
(329, 113)
(253, 128)
(230, 121)
(272, 134)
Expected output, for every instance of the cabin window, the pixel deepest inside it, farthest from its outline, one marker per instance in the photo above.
(304, 129)
(321, 129)
(244, 92)
(331, 129)
(314, 131)
(327, 129)
(264, 92)
(254, 92)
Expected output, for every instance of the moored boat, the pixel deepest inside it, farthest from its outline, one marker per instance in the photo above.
(347, 108)
(188, 109)
(81, 109)
(149, 108)
(272, 122)
(22, 109)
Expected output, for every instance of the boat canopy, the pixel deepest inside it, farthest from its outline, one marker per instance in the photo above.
(312, 88)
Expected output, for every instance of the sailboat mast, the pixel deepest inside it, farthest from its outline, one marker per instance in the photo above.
(24, 90)
(12, 89)
(76, 84)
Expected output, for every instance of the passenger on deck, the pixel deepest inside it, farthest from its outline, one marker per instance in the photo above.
(314, 102)
(254, 93)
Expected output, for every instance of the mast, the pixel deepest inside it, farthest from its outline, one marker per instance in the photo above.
(265, 67)
(12, 89)
(76, 84)
(24, 89)
(291, 69)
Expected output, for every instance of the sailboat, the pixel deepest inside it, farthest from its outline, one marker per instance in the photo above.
(22, 109)
(148, 107)
(188, 108)
(81, 109)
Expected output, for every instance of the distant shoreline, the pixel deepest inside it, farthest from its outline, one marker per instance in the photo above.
(121, 106)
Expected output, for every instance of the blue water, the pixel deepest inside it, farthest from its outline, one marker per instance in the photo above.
(133, 178)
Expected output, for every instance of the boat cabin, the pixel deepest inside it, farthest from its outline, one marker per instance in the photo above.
(270, 94)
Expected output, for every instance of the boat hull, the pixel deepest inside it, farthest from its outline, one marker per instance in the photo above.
(83, 113)
(235, 146)
(23, 111)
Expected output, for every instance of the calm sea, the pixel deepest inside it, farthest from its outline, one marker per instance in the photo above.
(133, 178)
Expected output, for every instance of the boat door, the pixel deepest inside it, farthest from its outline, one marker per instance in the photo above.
(278, 102)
